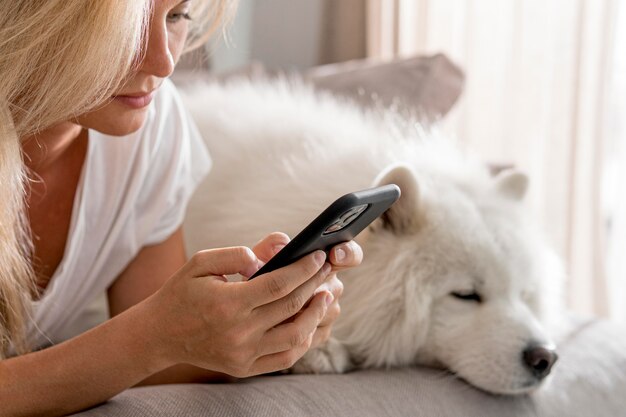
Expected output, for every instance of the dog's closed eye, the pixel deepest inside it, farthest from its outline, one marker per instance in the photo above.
(467, 296)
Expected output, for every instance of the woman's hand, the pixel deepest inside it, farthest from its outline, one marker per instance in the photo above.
(239, 328)
(343, 256)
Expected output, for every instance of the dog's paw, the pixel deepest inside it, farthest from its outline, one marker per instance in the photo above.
(330, 358)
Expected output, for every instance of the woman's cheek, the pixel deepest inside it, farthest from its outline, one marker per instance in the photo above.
(176, 41)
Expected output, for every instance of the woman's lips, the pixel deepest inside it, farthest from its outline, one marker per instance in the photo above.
(136, 102)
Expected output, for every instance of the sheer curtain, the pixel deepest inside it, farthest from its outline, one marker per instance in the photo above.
(614, 195)
(539, 75)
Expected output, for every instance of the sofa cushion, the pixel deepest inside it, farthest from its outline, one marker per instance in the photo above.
(426, 86)
(589, 379)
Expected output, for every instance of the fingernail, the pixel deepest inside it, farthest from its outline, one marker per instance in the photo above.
(326, 269)
(278, 248)
(320, 257)
(340, 254)
(328, 298)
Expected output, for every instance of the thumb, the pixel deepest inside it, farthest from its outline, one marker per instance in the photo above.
(224, 261)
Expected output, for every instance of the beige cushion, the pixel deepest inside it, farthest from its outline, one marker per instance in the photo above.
(588, 380)
(429, 85)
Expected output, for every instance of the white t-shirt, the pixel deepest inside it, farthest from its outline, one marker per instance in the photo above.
(132, 192)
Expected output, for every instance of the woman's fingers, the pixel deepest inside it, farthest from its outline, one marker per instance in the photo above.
(223, 261)
(266, 248)
(280, 283)
(346, 255)
(277, 311)
(332, 314)
(321, 336)
(279, 361)
(294, 335)
(335, 287)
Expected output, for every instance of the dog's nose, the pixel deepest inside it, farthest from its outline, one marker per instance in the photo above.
(539, 359)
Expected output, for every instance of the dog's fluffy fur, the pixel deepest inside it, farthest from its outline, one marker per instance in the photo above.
(282, 153)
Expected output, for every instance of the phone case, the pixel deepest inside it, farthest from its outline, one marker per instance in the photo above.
(342, 221)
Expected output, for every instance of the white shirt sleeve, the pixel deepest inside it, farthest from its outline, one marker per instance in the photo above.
(179, 160)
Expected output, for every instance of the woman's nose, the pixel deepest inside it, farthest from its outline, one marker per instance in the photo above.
(158, 60)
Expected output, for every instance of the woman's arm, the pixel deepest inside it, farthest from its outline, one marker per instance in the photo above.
(83, 371)
(196, 318)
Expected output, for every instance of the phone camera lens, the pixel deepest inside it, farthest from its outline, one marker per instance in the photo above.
(349, 216)
(338, 225)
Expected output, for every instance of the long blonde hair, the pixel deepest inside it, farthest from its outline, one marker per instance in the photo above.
(58, 59)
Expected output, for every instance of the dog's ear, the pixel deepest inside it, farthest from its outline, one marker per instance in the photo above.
(403, 214)
(511, 183)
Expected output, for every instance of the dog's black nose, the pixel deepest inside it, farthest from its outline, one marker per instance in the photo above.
(539, 359)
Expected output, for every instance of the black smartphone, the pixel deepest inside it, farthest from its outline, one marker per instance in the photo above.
(340, 222)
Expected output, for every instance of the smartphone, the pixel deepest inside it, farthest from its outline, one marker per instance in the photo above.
(340, 222)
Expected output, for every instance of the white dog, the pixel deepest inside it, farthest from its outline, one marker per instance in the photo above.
(454, 274)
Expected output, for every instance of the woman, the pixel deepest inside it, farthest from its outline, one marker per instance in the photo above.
(97, 162)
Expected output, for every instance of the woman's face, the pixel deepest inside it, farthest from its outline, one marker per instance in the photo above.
(129, 107)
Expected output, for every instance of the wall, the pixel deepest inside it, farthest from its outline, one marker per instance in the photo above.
(280, 33)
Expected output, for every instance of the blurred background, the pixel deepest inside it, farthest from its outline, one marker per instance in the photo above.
(545, 90)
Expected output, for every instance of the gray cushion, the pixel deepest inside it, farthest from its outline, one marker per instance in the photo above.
(427, 86)
(588, 380)
(424, 86)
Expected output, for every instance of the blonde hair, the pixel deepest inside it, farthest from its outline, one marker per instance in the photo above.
(208, 17)
(59, 59)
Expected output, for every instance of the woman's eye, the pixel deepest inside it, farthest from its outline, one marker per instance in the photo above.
(176, 17)
(467, 296)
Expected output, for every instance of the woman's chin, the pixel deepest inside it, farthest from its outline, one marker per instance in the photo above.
(121, 129)
(113, 122)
